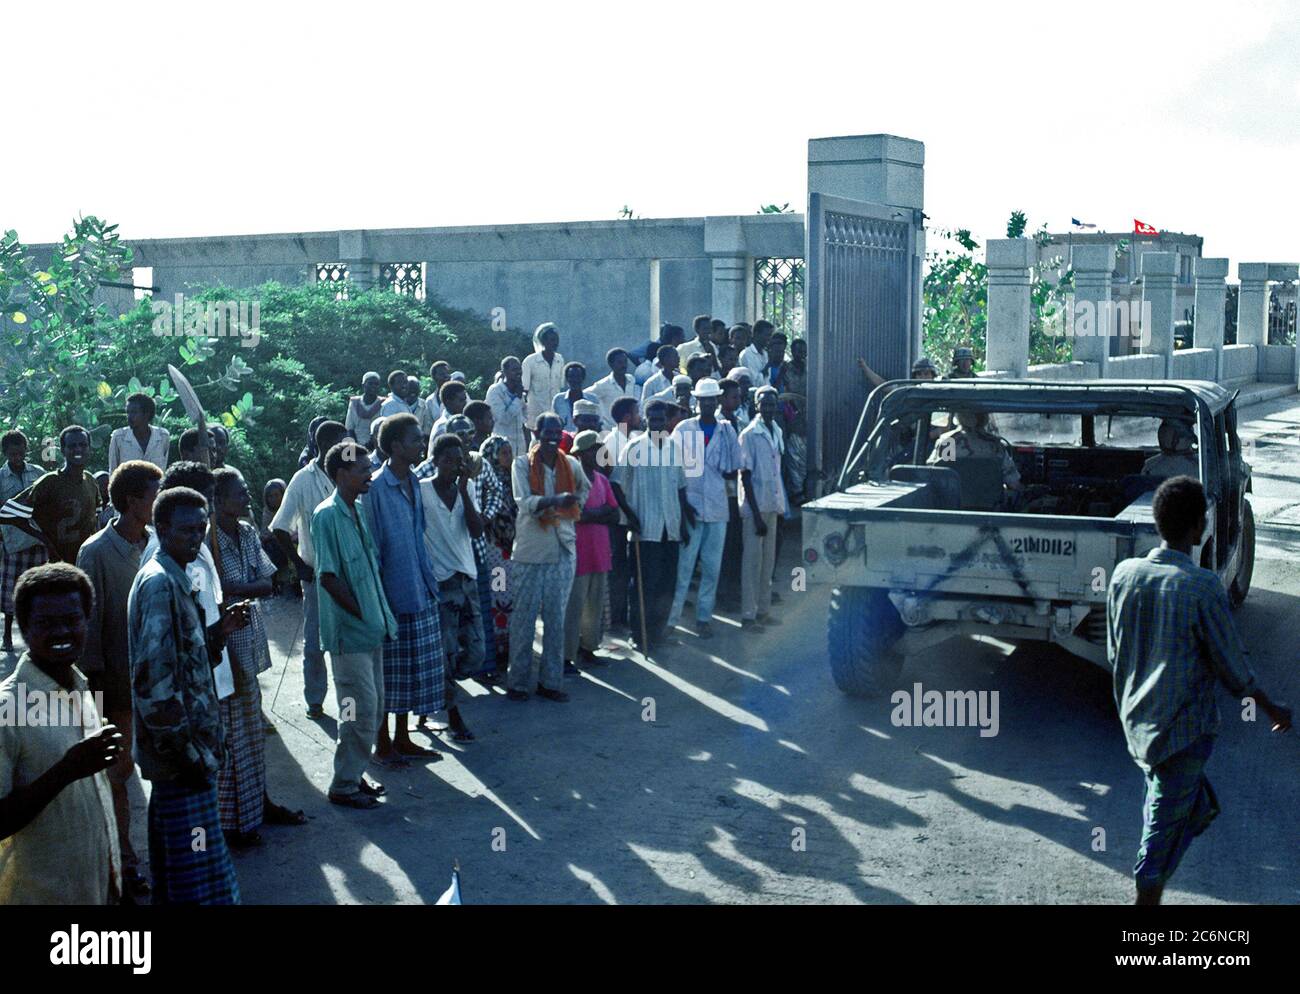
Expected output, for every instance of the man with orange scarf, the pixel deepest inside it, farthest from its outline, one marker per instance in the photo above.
(550, 489)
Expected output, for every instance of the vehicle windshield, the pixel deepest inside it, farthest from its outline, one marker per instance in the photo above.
(1031, 461)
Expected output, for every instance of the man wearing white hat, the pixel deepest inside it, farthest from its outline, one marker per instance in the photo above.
(711, 451)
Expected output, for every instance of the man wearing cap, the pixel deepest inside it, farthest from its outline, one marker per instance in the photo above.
(711, 451)
(619, 383)
(542, 373)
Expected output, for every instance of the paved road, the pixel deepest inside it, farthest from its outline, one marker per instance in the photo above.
(751, 742)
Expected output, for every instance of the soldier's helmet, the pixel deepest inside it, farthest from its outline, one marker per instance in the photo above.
(923, 364)
(963, 352)
(1175, 435)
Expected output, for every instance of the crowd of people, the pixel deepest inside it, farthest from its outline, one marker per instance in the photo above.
(427, 536)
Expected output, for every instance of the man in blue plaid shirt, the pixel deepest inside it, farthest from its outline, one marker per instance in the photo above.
(1170, 637)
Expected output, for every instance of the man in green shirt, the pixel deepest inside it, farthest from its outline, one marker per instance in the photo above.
(61, 508)
(355, 621)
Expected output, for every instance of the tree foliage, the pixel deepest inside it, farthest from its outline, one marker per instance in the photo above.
(955, 296)
(65, 358)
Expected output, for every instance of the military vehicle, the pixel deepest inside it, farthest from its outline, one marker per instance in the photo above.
(924, 539)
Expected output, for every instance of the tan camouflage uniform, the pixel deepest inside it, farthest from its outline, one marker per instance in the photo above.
(962, 443)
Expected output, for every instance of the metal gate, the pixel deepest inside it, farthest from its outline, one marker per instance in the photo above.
(862, 301)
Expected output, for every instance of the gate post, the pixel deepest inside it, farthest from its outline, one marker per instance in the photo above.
(1009, 261)
(355, 252)
(1252, 303)
(1159, 271)
(1211, 300)
(1093, 266)
(724, 243)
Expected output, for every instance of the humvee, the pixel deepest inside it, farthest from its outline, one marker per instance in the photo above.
(922, 545)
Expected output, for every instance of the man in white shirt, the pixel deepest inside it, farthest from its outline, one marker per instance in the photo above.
(542, 372)
(395, 402)
(451, 524)
(506, 398)
(754, 357)
(364, 409)
(454, 397)
(308, 488)
(139, 439)
(669, 366)
(440, 371)
(701, 344)
(619, 383)
(762, 503)
(564, 403)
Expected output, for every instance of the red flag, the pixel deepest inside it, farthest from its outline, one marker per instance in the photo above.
(1142, 228)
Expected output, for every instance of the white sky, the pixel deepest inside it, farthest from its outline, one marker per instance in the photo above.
(233, 118)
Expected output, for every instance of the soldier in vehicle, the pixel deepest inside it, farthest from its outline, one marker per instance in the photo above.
(1177, 451)
(922, 369)
(963, 364)
(974, 439)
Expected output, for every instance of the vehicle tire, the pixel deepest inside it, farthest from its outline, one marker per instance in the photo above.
(1241, 582)
(861, 631)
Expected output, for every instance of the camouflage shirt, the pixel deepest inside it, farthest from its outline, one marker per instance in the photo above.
(963, 444)
(177, 724)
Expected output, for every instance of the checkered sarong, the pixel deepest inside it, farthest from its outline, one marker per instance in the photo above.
(181, 875)
(12, 566)
(241, 786)
(1179, 805)
(414, 665)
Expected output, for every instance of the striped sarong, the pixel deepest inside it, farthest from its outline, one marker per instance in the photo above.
(12, 566)
(241, 786)
(414, 665)
(1180, 804)
(182, 875)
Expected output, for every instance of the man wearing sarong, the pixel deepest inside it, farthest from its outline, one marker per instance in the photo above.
(179, 740)
(414, 673)
(1170, 638)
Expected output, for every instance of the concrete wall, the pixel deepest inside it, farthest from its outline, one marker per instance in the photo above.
(600, 281)
(1240, 363)
(1136, 367)
(1193, 364)
(1277, 363)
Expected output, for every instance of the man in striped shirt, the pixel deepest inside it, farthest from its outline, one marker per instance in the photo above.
(1170, 638)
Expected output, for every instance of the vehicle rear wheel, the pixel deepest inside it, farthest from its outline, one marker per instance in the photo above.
(1241, 582)
(862, 629)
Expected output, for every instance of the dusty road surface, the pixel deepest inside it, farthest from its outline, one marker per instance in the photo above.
(757, 781)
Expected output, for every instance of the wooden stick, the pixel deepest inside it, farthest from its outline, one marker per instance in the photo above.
(640, 596)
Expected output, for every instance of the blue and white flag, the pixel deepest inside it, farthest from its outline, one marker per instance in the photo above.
(1081, 224)
(452, 894)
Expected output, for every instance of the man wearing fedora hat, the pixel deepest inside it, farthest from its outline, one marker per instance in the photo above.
(712, 455)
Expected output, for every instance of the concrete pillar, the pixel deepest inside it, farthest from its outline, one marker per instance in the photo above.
(1211, 295)
(354, 249)
(1252, 303)
(1284, 272)
(1159, 279)
(1009, 261)
(881, 169)
(1089, 317)
(724, 243)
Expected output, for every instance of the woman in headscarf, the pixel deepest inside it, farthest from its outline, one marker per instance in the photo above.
(497, 507)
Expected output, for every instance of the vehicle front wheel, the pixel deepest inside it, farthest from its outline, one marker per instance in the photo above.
(1241, 582)
(862, 629)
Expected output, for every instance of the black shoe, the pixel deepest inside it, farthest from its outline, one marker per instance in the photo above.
(315, 711)
(373, 787)
(558, 696)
